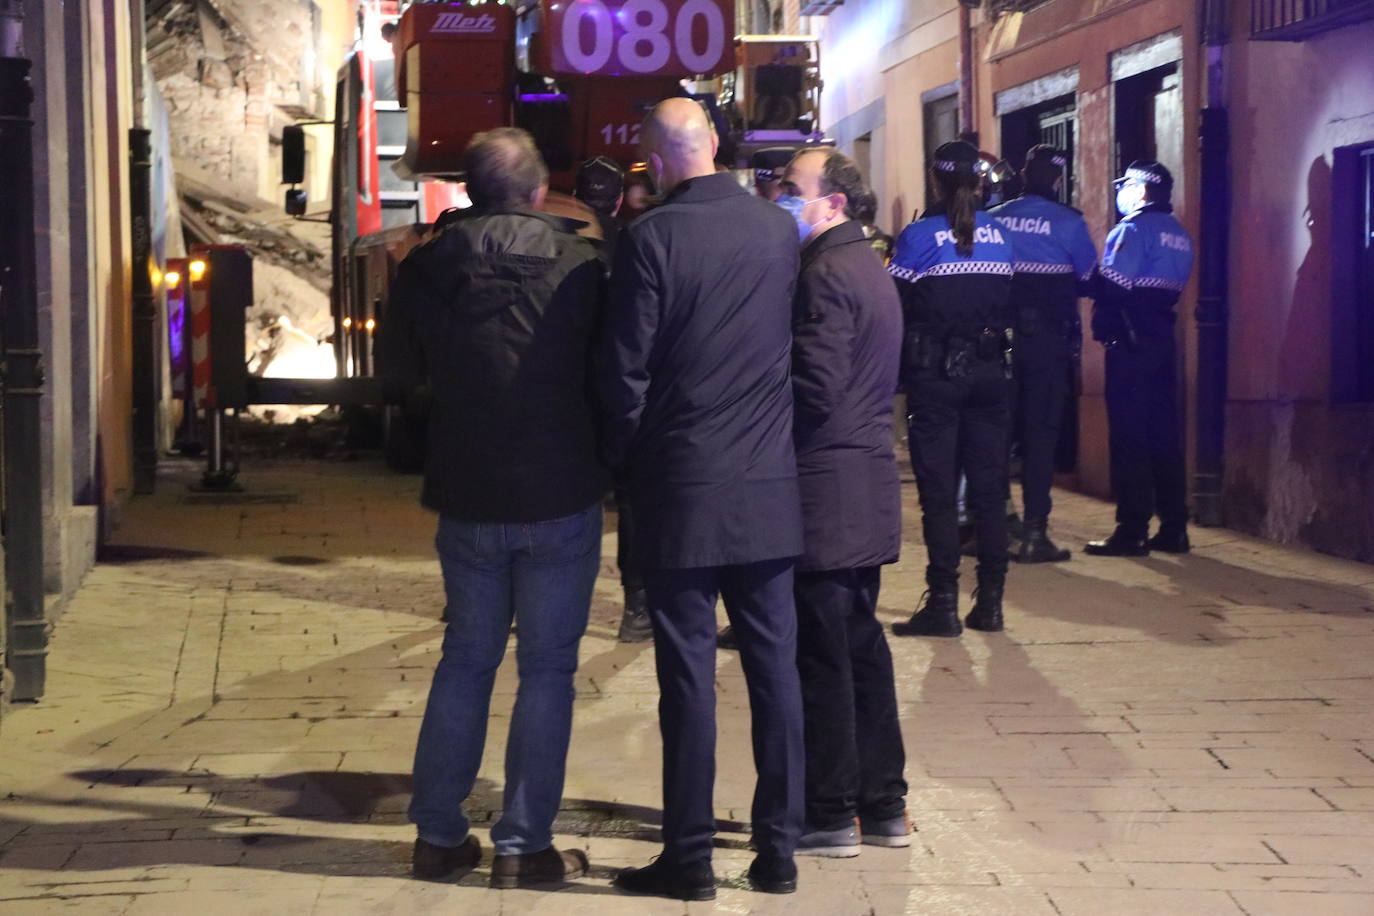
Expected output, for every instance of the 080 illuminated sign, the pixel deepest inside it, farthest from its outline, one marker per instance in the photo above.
(640, 37)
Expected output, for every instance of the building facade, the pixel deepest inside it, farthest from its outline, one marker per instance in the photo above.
(1292, 312)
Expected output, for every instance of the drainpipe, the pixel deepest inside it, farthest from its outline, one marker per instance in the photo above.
(1213, 262)
(22, 368)
(966, 124)
(144, 305)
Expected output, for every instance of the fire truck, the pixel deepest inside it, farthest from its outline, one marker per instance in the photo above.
(579, 75)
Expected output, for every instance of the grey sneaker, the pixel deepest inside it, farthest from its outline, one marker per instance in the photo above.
(830, 844)
(892, 832)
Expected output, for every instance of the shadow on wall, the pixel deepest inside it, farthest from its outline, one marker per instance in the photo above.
(1304, 349)
(1285, 486)
(1272, 493)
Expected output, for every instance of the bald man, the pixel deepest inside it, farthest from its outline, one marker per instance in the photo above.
(695, 386)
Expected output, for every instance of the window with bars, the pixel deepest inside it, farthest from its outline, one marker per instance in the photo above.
(1352, 273)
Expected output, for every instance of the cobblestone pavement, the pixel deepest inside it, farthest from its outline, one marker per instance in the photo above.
(233, 699)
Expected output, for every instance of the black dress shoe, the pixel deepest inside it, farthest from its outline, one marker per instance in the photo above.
(773, 876)
(635, 625)
(725, 639)
(1171, 541)
(662, 879)
(431, 863)
(1119, 544)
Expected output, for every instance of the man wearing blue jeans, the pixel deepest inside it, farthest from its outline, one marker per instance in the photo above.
(496, 314)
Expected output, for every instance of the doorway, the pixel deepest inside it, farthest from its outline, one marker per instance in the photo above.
(1054, 122)
(940, 123)
(1148, 123)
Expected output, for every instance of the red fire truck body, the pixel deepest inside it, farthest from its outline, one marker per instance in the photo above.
(579, 75)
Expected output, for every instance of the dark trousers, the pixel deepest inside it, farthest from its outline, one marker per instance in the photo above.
(630, 576)
(961, 425)
(758, 600)
(1147, 465)
(854, 753)
(1042, 385)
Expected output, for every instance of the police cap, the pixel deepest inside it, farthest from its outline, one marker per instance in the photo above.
(768, 164)
(600, 180)
(1150, 173)
(1045, 163)
(957, 156)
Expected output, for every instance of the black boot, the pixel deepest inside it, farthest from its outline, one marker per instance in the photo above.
(1016, 529)
(635, 625)
(1036, 546)
(1171, 540)
(987, 604)
(939, 616)
(968, 540)
(1122, 543)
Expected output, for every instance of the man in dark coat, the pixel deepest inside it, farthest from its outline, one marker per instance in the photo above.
(696, 390)
(498, 312)
(846, 350)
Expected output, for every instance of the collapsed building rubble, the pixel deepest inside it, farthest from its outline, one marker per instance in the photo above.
(233, 73)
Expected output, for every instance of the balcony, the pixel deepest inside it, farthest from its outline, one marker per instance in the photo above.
(819, 7)
(1296, 20)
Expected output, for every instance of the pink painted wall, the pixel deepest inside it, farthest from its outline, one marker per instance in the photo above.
(1299, 468)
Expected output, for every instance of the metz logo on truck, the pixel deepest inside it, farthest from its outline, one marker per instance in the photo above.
(459, 24)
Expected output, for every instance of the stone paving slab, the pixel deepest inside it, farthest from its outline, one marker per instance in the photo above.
(235, 692)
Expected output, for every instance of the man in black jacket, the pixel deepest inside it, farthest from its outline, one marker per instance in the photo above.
(497, 312)
(695, 386)
(846, 350)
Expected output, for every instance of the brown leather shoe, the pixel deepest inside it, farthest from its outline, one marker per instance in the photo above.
(547, 867)
(432, 863)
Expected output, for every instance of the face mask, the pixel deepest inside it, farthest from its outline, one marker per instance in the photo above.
(1130, 197)
(794, 205)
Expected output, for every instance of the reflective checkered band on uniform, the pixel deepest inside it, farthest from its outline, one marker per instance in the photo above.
(1086, 277)
(1158, 283)
(1036, 267)
(1059, 161)
(1116, 277)
(945, 165)
(1141, 175)
(902, 273)
(959, 268)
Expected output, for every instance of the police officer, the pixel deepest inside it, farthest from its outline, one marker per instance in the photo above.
(1054, 261)
(768, 165)
(1145, 265)
(600, 184)
(953, 270)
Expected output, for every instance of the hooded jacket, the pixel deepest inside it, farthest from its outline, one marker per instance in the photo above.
(497, 314)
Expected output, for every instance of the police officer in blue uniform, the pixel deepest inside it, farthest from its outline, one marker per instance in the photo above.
(953, 268)
(1054, 261)
(1145, 265)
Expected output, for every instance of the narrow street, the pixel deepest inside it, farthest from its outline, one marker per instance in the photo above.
(234, 693)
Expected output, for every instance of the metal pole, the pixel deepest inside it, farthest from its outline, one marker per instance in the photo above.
(145, 325)
(146, 387)
(214, 467)
(23, 386)
(1213, 264)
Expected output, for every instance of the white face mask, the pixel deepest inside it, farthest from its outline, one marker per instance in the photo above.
(1130, 197)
